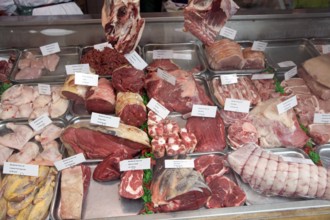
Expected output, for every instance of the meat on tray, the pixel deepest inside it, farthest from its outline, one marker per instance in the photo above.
(265, 88)
(204, 19)
(71, 91)
(242, 132)
(271, 175)
(243, 89)
(131, 184)
(210, 133)
(122, 24)
(230, 117)
(179, 98)
(320, 133)
(164, 64)
(253, 59)
(101, 98)
(128, 79)
(210, 166)
(6, 67)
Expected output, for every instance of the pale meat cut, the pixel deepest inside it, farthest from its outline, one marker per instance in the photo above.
(210, 133)
(242, 132)
(128, 79)
(224, 55)
(318, 68)
(101, 98)
(179, 98)
(320, 133)
(26, 154)
(204, 19)
(131, 184)
(5, 153)
(253, 59)
(277, 177)
(18, 138)
(122, 24)
(243, 89)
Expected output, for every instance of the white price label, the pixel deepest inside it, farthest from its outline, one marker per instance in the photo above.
(101, 46)
(228, 32)
(158, 108)
(228, 79)
(86, 79)
(259, 46)
(162, 54)
(287, 105)
(40, 122)
(135, 164)
(4, 59)
(297, 160)
(104, 120)
(176, 164)
(136, 60)
(291, 73)
(70, 161)
(286, 64)
(20, 169)
(204, 111)
(326, 49)
(44, 89)
(237, 105)
(50, 49)
(179, 30)
(182, 56)
(320, 118)
(165, 76)
(77, 68)
(262, 76)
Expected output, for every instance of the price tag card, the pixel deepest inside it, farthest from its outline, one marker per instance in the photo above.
(165, 76)
(40, 123)
(187, 163)
(77, 68)
(228, 32)
(326, 49)
(4, 59)
(104, 120)
(259, 46)
(135, 164)
(136, 60)
(237, 105)
(158, 108)
(291, 73)
(320, 118)
(262, 76)
(298, 160)
(179, 30)
(286, 64)
(20, 169)
(86, 79)
(70, 161)
(287, 105)
(44, 89)
(162, 54)
(50, 49)
(101, 46)
(228, 79)
(204, 111)
(182, 56)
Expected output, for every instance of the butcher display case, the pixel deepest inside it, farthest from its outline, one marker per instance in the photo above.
(295, 31)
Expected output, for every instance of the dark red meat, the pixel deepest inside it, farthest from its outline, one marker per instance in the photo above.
(164, 64)
(128, 79)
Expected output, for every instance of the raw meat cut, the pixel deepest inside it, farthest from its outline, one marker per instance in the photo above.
(177, 189)
(243, 89)
(158, 146)
(318, 68)
(179, 98)
(265, 88)
(108, 169)
(49, 133)
(253, 59)
(229, 117)
(131, 184)
(317, 89)
(13, 95)
(225, 193)
(294, 81)
(50, 61)
(74, 186)
(204, 19)
(164, 64)
(18, 138)
(98, 142)
(210, 133)
(6, 67)
(101, 98)
(29, 152)
(225, 54)
(320, 133)
(242, 132)
(281, 178)
(28, 73)
(49, 155)
(128, 79)
(5, 153)
(210, 166)
(275, 130)
(73, 92)
(122, 24)
(131, 109)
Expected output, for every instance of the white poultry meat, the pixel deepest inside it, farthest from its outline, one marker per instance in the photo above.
(26, 155)
(18, 138)
(5, 153)
(25, 110)
(58, 108)
(41, 101)
(49, 134)
(49, 155)
(8, 111)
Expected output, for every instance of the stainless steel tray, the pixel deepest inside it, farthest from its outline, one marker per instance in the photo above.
(324, 152)
(190, 49)
(102, 200)
(68, 56)
(244, 44)
(318, 42)
(12, 55)
(296, 50)
(254, 198)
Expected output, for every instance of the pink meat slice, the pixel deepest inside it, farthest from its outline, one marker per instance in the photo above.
(131, 184)
(51, 61)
